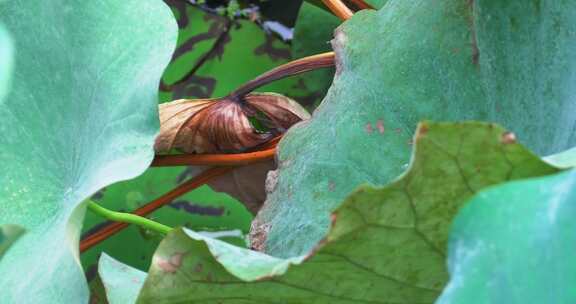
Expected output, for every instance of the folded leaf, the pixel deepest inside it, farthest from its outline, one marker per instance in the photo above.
(246, 184)
(565, 159)
(81, 114)
(225, 125)
(514, 243)
(412, 60)
(122, 283)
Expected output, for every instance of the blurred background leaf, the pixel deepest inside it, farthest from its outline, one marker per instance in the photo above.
(216, 54)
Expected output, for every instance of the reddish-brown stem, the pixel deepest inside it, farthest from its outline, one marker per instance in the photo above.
(263, 152)
(289, 69)
(339, 9)
(206, 176)
(115, 227)
(213, 159)
(360, 4)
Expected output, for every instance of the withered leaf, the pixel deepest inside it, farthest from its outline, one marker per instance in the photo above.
(223, 125)
(246, 184)
(281, 111)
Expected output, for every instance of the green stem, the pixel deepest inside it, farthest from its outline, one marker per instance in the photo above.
(128, 218)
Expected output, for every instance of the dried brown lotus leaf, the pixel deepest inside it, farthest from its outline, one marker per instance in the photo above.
(282, 112)
(221, 128)
(223, 125)
(246, 184)
(173, 116)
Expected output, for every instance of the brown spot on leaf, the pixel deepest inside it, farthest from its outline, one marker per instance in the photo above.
(258, 235)
(172, 264)
(508, 138)
(271, 181)
(380, 126)
(424, 129)
(369, 128)
(166, 266)
(421, 132)
(333, 219)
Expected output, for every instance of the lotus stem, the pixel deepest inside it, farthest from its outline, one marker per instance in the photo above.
(240, 159)
(115, 227)
(339, 9)
(292, 68)
(361, 4)
(128, 218)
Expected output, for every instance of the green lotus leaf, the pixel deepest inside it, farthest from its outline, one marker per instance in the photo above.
(413, 60)
(313, 32)
(514, 243)
(122, 283)
(384, 242)
(81, 114)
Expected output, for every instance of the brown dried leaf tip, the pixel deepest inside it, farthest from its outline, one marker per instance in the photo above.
(225, 125)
